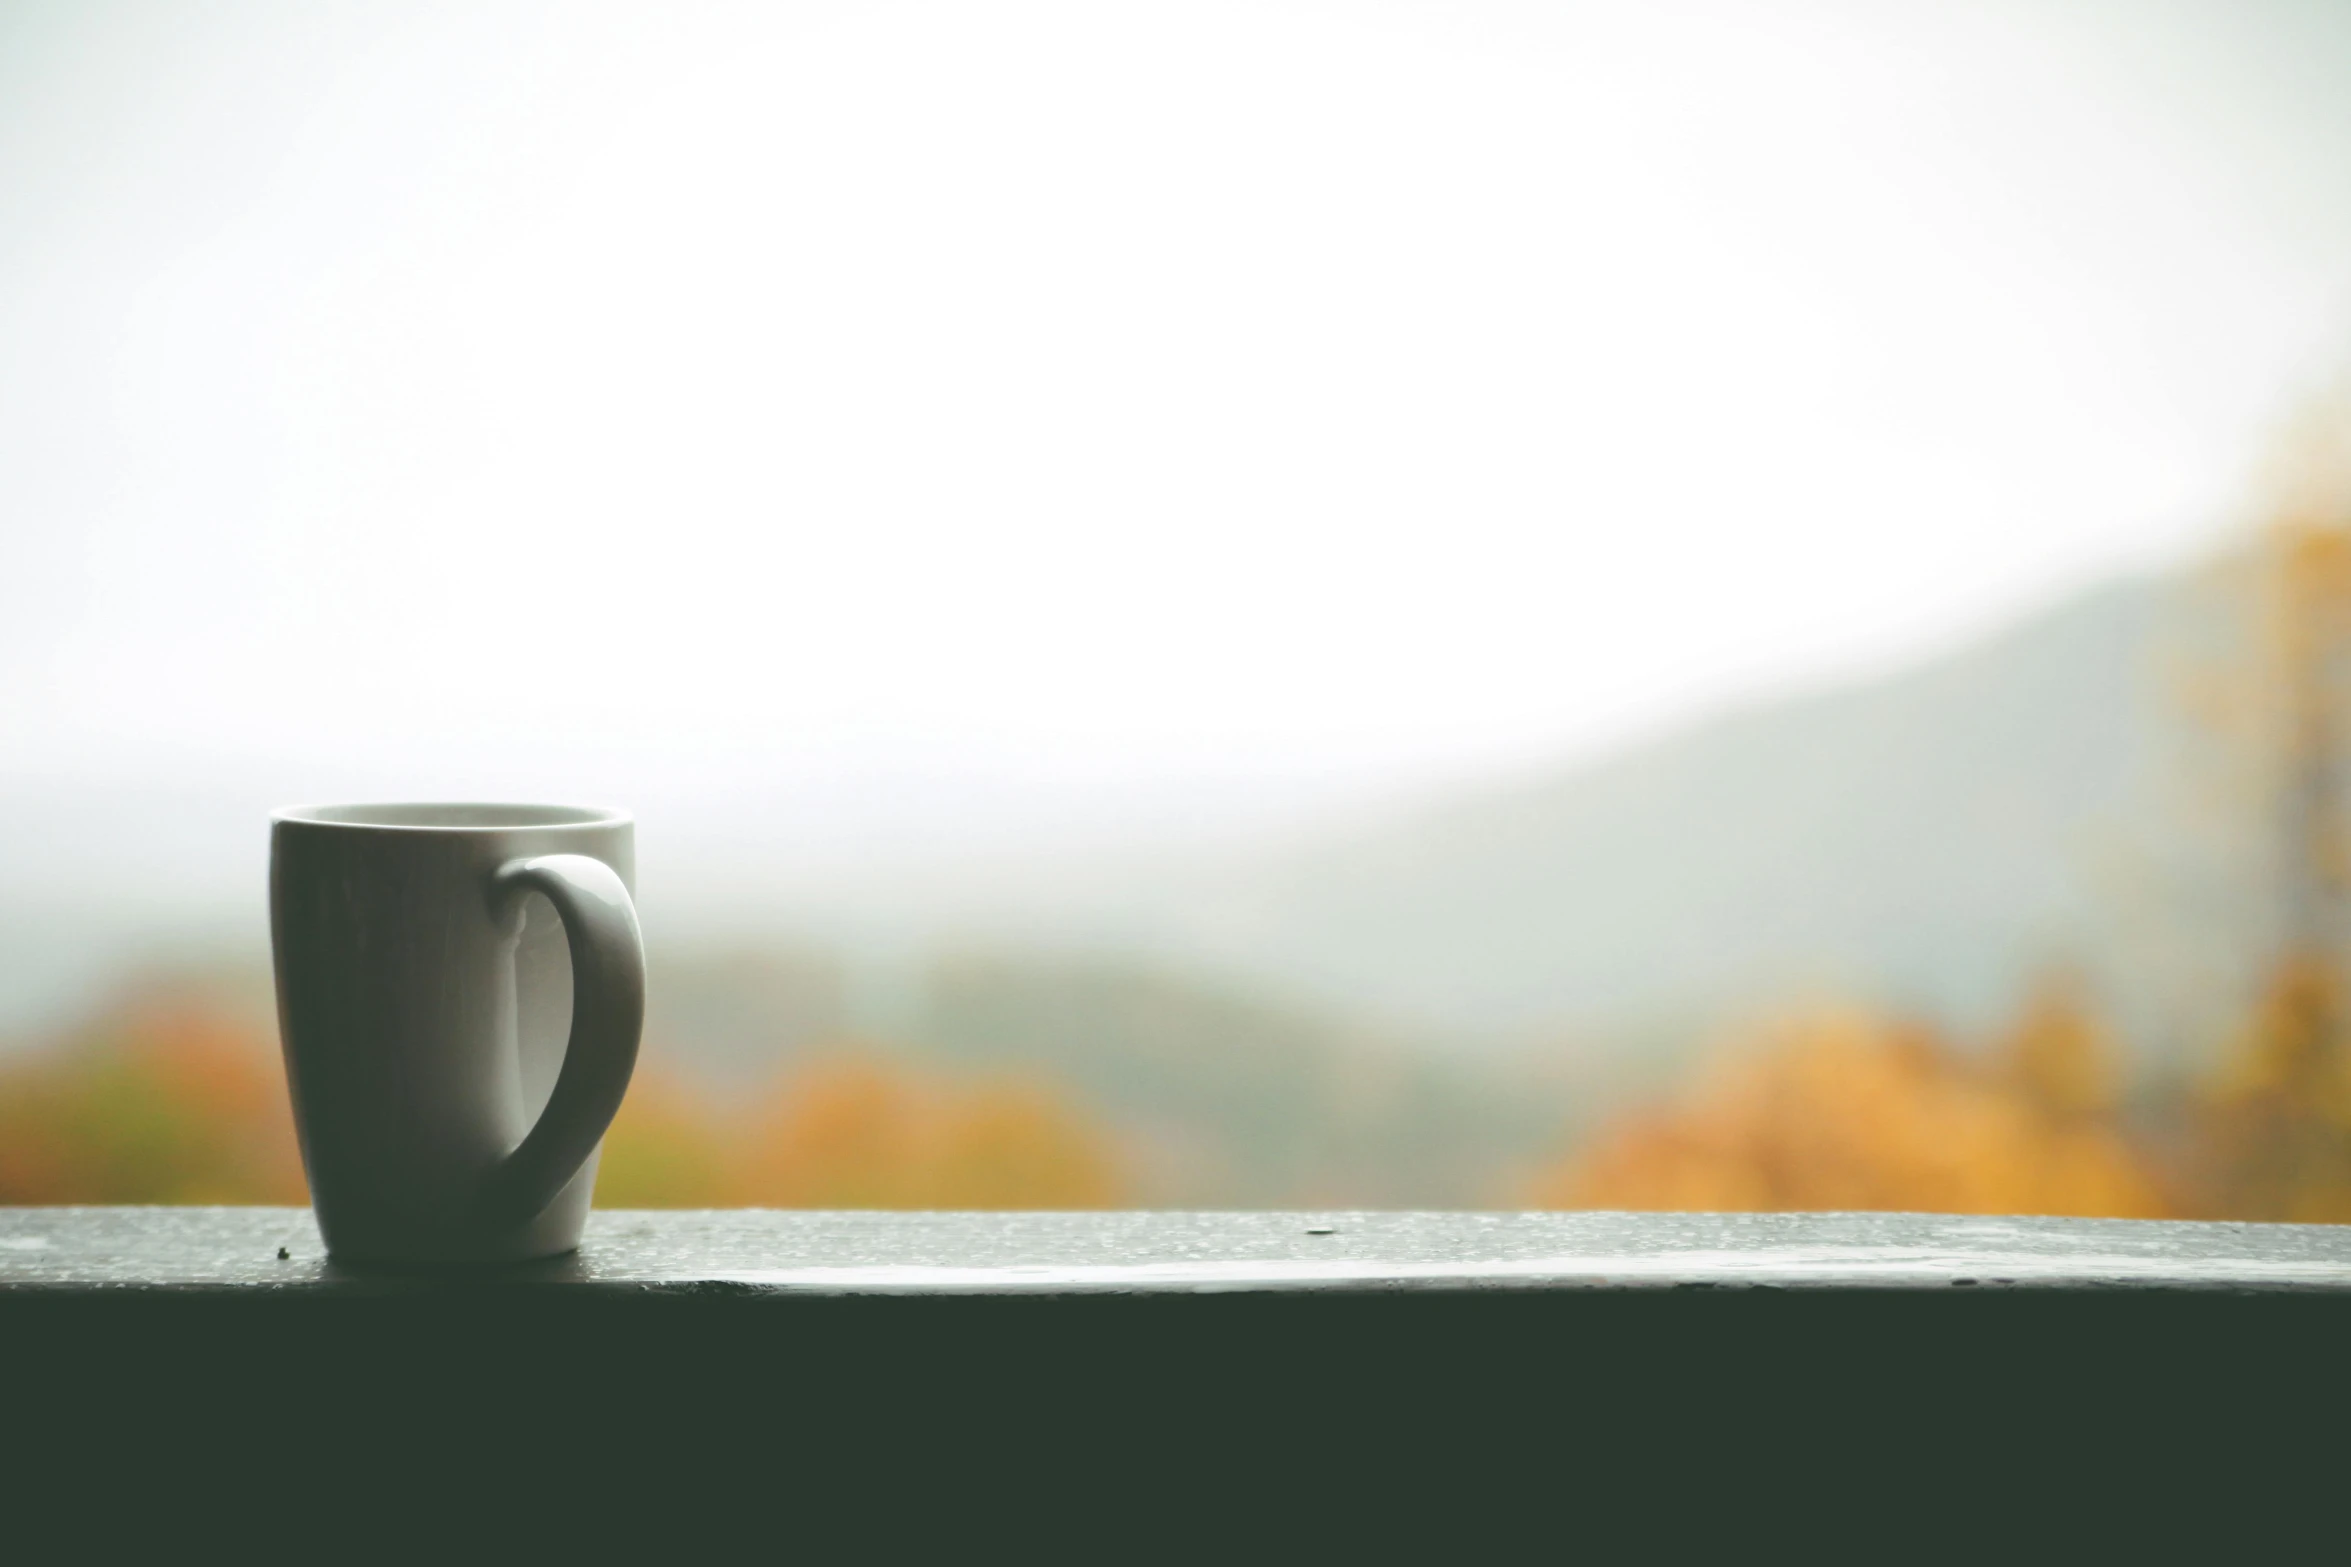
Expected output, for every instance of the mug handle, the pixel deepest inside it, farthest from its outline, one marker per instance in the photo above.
(607, 1016)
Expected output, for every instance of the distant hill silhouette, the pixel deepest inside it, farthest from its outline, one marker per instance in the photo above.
(1928, 838)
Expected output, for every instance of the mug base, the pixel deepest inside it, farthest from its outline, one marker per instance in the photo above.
(380, 1242)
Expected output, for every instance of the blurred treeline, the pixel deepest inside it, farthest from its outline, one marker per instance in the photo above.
(1017, 1080)
(1169, 1097)
(1845, 1109)
(175, 1094)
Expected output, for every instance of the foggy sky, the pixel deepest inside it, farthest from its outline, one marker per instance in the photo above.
(1017, 401)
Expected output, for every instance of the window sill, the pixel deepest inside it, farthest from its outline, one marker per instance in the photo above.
(752, 1253)
(1092, 1370)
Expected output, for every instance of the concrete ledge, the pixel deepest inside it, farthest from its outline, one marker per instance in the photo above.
(789, 1253)
(867, 1386)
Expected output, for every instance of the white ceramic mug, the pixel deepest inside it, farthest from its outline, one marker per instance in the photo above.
(460, 993)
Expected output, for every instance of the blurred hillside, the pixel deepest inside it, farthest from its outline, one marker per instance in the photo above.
(1924, 840)
(1210, 1096)
(1877, 947)
(1215, 1094)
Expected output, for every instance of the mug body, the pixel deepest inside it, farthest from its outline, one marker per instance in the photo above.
(424, 1017)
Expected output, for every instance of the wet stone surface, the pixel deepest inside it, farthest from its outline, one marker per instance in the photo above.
(117, 1250)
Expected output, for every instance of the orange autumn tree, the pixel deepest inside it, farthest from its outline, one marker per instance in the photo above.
(859, 1132)
(168, 1098)
(163, 1101)
(667, 1148)
(2277, 1110)
(1845, 1110)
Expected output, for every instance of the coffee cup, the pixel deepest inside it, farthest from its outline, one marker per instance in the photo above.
(461, 989)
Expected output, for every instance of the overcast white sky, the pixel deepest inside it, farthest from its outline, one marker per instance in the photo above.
(536, 398)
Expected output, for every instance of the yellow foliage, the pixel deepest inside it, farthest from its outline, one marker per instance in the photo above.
(2278, 1112)
(851, 1135)
(1845, 1111)
(2276, 1115)
(163, 1104)
(174, 1103)
(1015, 1145)
(664, 1150)
(2057, 1057)
(857, 1133)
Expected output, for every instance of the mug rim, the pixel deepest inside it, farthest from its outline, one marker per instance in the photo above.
(447, 816)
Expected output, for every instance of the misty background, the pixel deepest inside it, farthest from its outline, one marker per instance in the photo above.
(1478, 538)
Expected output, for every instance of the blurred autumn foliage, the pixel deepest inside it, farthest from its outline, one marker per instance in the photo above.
(1849, 1110)
(858, 1131)
(175, 1101)
(169, 1097)
(1843, 1110)
(2276, 1116)
(159, 1101)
